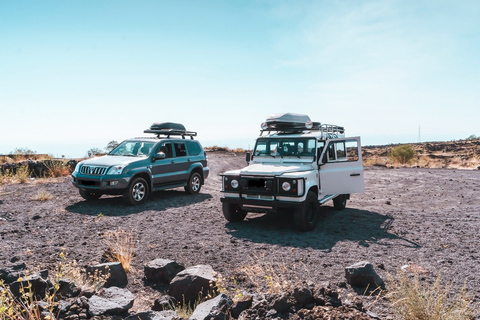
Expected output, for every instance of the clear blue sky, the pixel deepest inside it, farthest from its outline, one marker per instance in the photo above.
(75, 75)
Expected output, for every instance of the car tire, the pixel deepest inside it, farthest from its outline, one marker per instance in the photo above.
(87, 195)
(194, 183)
(340, 202)
(137, 192)
(233, 212)
(306, 218)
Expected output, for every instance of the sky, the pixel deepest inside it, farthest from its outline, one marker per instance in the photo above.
(75, 75)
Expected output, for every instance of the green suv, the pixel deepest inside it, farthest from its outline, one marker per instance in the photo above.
(139, 166)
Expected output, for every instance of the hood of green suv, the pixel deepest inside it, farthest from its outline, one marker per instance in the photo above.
(108, 161)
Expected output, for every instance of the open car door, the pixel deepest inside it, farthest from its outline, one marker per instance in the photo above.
(341, 167)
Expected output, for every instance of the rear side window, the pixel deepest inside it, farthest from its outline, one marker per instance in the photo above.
(193, 148)
(180, 150)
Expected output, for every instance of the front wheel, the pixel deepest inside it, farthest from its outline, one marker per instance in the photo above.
(340, 202)
(306, 218)
(233, 212)
(194, 183)
(137, 192)
(87, 195)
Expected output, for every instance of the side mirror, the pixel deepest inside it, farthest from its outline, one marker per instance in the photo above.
(160, 156)
(248, 157)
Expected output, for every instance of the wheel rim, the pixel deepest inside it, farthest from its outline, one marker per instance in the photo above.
(195, 184)
(138, 191)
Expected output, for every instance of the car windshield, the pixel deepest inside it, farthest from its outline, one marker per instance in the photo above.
(133, 149)
(285, 147)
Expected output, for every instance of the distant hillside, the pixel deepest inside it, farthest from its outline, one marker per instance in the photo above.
(459, 154)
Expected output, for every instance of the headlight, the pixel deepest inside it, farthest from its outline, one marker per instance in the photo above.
(286, 186)
(77, 168)
(116, 170)
(234, 183)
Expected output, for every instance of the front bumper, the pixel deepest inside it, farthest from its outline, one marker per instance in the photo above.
(107, 184)
(258, 205)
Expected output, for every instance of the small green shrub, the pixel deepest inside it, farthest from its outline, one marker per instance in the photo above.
(402, 154)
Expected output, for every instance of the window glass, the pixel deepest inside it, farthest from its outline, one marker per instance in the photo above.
(167, 149)
(180, 150)
(352, 150)
(343, 151)
(193, 148)
(287, 147)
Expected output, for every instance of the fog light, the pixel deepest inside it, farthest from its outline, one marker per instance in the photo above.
(113, 183)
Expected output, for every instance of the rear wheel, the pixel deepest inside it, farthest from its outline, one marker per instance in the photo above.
(137, 192)
(194, 183)
(340, 202)
(233, 212)
(87, 195)
(306, 218)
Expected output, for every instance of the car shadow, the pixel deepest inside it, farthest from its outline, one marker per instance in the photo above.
(361, 226)
(115, 206)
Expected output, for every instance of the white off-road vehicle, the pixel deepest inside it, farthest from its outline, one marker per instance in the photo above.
(296, 166)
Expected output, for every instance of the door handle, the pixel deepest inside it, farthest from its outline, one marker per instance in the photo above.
(354, 174)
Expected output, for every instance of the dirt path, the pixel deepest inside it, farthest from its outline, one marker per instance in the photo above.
(424, 217)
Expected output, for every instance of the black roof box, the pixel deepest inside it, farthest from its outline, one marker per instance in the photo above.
(170, 129)
(168, 126)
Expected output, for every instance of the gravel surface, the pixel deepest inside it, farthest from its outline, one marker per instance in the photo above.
(428, 219)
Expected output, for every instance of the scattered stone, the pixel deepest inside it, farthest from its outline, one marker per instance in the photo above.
(213, 309)
(166, 302)
(362, 274)
(110, 301)
(243, 303)
(192, 283)
(38, 286)
(162, 270)
(11, 273)
(117, 277)
(154, 315)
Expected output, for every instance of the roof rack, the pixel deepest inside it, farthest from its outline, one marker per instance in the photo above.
(170, 129)
(172, 132)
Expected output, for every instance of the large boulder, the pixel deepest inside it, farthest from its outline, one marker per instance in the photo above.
(162, 270)
(110, 301)
(34, 284)
(192, 284)
(117, 277)
(213, 309)
(363, 274)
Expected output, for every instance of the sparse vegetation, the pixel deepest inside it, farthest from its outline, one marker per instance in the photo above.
(414, 299)
(42, 195)
(272, 277)
(402, 154)
(27, 307)
(120, 246)
(57, 168)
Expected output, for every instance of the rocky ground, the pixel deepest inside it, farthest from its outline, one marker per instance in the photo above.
(428, 219)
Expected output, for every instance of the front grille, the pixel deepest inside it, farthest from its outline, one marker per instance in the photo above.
(93, 170)
(261, 185)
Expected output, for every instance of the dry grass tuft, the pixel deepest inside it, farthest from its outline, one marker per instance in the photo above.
(42, 195)
(57, 168)
(417, 300)
(271, 277)
(120, 247)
